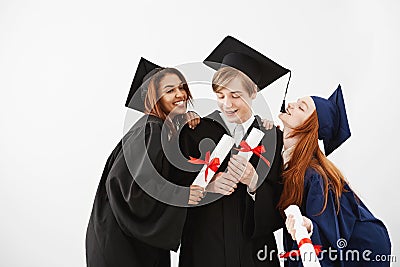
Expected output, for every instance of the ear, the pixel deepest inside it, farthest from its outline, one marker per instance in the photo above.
(253, 95)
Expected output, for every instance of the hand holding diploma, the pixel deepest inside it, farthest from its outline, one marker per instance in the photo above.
(240, 167)
(290, 225)
(211, 162)
(222, 183)
(242, 170)
(195, 195)
(297, 226)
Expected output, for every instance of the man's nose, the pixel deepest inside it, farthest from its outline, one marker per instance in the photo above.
(227, 102)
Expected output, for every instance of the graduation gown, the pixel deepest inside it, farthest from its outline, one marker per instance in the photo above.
(127, 226)
(230, 230)
(354, 223)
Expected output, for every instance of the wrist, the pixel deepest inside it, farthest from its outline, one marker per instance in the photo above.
(253, 184)
(309, 226)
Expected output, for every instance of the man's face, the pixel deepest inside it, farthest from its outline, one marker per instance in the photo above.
(235, 101)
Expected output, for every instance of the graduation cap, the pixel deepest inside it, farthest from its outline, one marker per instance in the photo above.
(260, 69)
(144, 71)
(333, 128)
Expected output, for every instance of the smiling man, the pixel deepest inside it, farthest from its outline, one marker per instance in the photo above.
(238, 215)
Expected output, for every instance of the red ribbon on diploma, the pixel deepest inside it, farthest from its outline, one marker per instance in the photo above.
(258, 150)
(296, 253)
(213, 164)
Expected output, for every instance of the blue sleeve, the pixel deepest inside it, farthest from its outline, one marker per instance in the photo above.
(326, 230)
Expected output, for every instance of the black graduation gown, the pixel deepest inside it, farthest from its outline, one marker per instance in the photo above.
(354, 228)
(127, 227)
(230, 230)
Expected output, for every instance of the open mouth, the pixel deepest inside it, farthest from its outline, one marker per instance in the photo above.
(230, 112)
(179, 103)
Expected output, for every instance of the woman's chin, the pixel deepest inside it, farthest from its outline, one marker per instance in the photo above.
(178, 111)
(181, 110)
(282, 118)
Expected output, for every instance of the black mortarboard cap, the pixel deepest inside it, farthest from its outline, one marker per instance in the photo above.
(144, 71)
(260, 69)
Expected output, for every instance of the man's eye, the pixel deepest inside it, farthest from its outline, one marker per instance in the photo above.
(220, 96)
(170, 91)
(235, 96)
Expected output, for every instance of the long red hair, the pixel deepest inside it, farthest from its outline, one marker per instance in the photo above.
(307, 154)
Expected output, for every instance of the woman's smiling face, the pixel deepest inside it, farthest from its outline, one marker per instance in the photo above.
(173, 95)
(297, 112)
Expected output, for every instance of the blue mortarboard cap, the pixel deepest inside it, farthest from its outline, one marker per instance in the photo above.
(333, 128)
(144, 71)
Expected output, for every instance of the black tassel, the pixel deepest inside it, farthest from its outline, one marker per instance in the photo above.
(283, 107)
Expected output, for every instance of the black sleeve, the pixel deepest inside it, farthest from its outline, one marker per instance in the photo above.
(263, 217)
(181, 171)
(139, 214)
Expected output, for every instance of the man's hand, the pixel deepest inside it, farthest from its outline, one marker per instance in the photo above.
(222, 183)
(196, 194)
(242, 170)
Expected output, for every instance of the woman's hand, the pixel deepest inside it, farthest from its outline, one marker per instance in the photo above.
(222, 183)
(267, 124)
(196, 194)
(243, 171)
(193, 119)
(307, 223)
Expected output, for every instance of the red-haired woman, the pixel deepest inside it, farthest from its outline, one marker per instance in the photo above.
(334, 216)
(137, 215)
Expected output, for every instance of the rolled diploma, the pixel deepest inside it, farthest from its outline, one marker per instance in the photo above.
(222, 149)
(307, 251)
(253, 139)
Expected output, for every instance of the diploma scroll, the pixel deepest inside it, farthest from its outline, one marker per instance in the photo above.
(251, 145)
(253, 139)
(306, 248)
(220, 152)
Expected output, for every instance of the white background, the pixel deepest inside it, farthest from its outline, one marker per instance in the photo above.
(66, 68)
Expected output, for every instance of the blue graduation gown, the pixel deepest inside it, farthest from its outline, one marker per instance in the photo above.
(354, 223)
